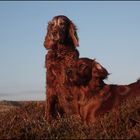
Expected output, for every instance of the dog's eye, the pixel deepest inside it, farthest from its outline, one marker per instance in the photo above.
(52, 24)
(69, 73)
(81, 66)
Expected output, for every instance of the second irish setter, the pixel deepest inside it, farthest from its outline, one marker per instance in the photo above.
(96, 97)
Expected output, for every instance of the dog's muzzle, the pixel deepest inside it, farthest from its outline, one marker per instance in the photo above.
(58, 35)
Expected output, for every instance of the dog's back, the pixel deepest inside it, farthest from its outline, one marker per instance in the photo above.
(118, 94)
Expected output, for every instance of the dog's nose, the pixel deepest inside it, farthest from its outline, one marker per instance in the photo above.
(54, 33)
(69, 72)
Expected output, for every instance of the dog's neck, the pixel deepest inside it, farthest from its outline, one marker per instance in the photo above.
(62, 47)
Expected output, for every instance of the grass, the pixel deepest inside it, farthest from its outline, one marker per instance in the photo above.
(25, 120)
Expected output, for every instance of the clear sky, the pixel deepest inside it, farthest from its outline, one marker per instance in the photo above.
(108, 31)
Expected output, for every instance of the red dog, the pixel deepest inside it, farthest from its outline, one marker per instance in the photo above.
(61, 41)
(96, 97)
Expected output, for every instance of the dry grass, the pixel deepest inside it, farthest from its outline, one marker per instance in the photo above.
(25, 120)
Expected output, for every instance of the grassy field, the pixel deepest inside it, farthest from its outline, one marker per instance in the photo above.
(25, 120)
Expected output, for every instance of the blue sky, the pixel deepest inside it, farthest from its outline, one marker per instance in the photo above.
(108, 31)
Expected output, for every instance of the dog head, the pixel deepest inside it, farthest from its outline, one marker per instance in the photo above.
(81, 73)
(61, 30)
(85, 70)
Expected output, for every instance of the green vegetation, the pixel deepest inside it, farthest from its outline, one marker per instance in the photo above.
(25, 120)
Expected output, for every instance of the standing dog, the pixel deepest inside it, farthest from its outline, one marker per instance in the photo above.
(96, 97)
(61, 42)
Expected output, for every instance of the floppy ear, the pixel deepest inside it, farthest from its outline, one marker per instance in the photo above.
(104, 74)
(73, 34)
(103, 71)
(99, 71)
(48, 43)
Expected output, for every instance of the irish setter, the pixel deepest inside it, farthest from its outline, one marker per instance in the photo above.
(96, 97)
(61, 42)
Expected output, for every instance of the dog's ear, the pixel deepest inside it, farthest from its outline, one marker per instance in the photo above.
(48, 43)
(99, 71)
(103, 73)
(73, 34)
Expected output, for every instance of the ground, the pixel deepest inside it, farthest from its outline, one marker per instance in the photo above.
(25, 120)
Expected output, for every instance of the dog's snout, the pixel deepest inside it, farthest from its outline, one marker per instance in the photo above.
(56, 30)
(69, 72)
(54, 33)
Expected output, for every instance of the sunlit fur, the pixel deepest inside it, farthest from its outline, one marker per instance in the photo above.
(61, 41)
(96, 97)
(61, 30)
